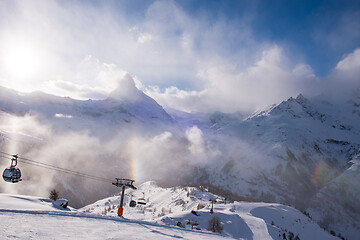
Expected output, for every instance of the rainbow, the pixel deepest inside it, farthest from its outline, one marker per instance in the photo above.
(130, 153)
(133, 159)
(320, 174)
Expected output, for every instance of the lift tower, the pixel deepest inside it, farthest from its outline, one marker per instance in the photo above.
(122, 182)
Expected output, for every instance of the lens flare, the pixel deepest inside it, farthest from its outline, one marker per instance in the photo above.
(320, 175)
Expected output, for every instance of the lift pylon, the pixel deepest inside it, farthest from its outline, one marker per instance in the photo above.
(123, 183)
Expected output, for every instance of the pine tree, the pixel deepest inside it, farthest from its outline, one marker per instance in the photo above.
(54, 195)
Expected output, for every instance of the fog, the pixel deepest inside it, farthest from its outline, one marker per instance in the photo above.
(170, 157)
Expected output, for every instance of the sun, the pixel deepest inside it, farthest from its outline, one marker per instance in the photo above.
(21, 61)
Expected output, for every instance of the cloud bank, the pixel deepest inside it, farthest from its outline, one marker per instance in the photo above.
(192, 62)
(271, 79)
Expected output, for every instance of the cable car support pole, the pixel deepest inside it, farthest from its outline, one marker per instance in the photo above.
(123, 183)
(121, 209)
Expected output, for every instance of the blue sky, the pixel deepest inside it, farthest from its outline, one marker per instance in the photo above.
(216, 54)
(304, 27)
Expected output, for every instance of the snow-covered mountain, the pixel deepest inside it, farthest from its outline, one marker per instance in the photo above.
(178, 212)
(125, 105)
(307, 150)
(301, 152)
(81, 135)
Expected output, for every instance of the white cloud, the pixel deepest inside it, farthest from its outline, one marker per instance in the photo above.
(345, 80)
(164, 47)
(303, 71)
(60, 115)
(195, 137)
(73, 90)
(350, 62)
(272, 78)
(92, 79)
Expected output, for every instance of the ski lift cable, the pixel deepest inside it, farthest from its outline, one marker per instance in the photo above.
(52, 167)
(59, 170)
(6, 157)
(40, 164)
(66, 171)
(56, 168)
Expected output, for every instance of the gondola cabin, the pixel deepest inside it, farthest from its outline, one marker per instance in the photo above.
(132, 203)
(12, 174)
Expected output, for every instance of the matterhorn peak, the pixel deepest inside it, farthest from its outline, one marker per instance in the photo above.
(126, 89)
(301, 98)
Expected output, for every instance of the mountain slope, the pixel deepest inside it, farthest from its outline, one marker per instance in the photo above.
(295, 152)
(241, 220)
(28, 217)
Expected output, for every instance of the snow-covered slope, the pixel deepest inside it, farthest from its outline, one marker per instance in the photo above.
(26, 217)
(185, 205)
(178, 212)
(342, 196)
(296, 152)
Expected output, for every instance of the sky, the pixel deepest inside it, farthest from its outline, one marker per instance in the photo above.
(195, 56)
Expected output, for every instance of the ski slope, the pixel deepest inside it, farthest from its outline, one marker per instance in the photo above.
(27, 224)
(27, 217)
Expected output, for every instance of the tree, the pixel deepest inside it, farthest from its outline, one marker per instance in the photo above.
(215, 225)
(54, 195)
